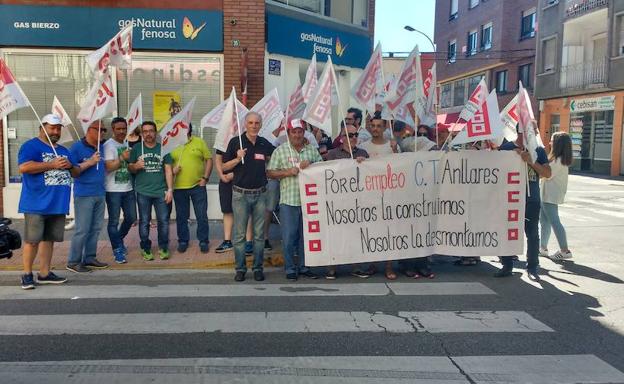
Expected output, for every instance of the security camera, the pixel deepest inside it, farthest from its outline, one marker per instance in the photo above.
(233, 21)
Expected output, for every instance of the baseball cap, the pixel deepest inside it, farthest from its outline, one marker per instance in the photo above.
(295, 123)
(51, 119)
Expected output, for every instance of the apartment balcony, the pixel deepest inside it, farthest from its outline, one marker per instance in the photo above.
(576, 8)
(585, 75)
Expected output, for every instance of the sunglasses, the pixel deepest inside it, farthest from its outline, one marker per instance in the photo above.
(352, 135)
(102, 129)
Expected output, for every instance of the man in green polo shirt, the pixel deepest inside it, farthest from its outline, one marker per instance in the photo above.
(286, 162)
(192, 164)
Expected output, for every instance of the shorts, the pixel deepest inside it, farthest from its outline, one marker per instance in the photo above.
(39, 228)
(225, 197)
(273, 195)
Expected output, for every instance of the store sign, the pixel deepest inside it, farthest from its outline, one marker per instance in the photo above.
(292, 37)
(604, 103)
(91, 27)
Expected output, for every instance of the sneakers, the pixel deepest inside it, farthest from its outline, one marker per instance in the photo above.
(504, 272)
(258, 276)
(543, 252)
(96, 264)
(560, 255)
(163, 254)
(147, 255)
(240, 276)
(119, 255)
(291, 276)
(225, 246)
(77, 268)
(204, 247)
(309, 274)
(267, 246)
(331, 274)
(28, 281)
(51, 278)
(70, 225)
(533, 274)
(248, 248)
(182, 247)
(360, 274)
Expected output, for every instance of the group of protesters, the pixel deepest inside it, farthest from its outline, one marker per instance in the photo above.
(255, 175)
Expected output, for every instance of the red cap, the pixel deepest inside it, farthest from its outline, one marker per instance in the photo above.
(295, 123)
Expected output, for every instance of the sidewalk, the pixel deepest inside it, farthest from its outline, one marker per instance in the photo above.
(191, 259)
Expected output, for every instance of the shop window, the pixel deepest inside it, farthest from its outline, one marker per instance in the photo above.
(549, 47)
(472, 83)
(446, 95)
(459, 92)
(454, 6)
(472, 44)
(524, 75)
(452, 51)
(43, 75)
(501, 82)
(528, 24)
(486, 36)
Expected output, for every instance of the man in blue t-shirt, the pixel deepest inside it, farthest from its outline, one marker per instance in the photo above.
(536, 169)
(89, 201)
(44, 200)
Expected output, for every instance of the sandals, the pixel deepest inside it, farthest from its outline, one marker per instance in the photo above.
(425, 272)
(390, 275)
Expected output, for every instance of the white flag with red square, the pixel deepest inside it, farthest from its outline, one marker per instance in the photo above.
(270, 110)
(175, 132)
(409, 84)
(100, 101)
(484, 125)
(11, 95)
(370, 83)
(526, 130)
(311, 80)
(318, 109)
(226, 119)
(424, 105)
(117, 52)
(474, 101)
(296, 105)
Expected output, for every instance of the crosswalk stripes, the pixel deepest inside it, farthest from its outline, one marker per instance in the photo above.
(388, 347)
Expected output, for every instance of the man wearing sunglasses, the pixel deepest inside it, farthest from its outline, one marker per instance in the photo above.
(89, 200)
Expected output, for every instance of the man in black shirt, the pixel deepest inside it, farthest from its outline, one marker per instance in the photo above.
(248, 191)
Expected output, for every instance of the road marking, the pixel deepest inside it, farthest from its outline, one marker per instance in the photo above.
(555, 369)
(272, 322)
(245, 290)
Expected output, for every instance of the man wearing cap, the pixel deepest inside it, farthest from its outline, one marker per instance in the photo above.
(192, 166)
(89, 201)
(44, 200)
(286, 162)
(248, 161)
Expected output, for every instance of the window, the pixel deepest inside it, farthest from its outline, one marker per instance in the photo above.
(524, 75)
(472, 83)
(44, 74)
(459, 92)
(473, 3)
(348, 11)
(501, 82)
(471, 48)
(452, 51)
(549, 48)
(528, 24)
(486, 36)
(445, 95)
(619, 35)
(453, 12)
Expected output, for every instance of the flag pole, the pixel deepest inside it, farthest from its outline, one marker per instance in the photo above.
(41, 125)
(97, 166)
(240, 139)
(335, 81)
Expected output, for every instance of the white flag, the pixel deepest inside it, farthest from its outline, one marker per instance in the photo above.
(484, 125)
(175, 132)
(227, 121)
(58, 110)
(509, 118)
(526, 131)
(135, 114)
(117, 52)
(409, 84)
(270, 110)
(11, 95)
(474, 101)
(370, 83)
(425, 102)
(310, 80)
(318, 109)
(296, 105)
(100, 101)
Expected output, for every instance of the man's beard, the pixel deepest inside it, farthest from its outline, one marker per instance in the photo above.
(54, 138)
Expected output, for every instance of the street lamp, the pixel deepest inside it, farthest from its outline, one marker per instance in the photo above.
(412, 29)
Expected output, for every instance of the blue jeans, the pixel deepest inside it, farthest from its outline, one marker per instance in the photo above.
(549, 217)
(245, 205)
(291, 223)
(145, 204)
(89, 212)
(182, 198)
(531, 230)
(116, 202)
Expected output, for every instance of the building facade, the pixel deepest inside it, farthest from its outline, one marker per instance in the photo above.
(580, 79)
(194, 48)
(488, 39)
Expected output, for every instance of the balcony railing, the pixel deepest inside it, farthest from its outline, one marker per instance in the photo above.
(576, 8)
(589, 74)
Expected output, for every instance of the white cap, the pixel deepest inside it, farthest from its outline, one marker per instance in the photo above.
(295, 123)
(51, 119)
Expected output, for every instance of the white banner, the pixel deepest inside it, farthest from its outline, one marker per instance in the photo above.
(270, 110)
(370, 83)
(11, 95)
(466, 203)
(309, 84)
(135, 114)
(117, 52)
(100, 101)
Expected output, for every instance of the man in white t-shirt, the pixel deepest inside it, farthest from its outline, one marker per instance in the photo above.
(378, 145)
(119, 192)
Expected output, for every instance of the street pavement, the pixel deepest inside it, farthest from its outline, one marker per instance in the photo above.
(464, 326)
